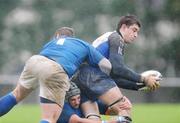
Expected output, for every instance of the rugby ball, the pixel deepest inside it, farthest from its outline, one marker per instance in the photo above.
(155, 73)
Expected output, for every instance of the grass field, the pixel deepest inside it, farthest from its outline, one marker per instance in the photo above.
(142, 113)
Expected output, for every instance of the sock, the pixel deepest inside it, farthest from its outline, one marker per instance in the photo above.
(7, 102)
(128, 118)
(124, 119)
(44, 121)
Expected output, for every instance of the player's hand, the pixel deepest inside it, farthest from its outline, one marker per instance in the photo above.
(152, 79)
(151, 82)
(145, 89)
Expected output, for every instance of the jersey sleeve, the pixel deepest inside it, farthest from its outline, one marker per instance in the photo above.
(94, 56)
(127, 84)
(119, 69)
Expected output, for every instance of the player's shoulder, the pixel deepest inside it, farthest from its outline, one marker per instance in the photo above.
(101, 39)
(77, 41)
(67, 105)
(103, 36)
(115, 36)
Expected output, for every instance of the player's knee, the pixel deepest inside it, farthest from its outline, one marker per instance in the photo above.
(17, 94)
(122, 104)
(125, 104)
(20, 92)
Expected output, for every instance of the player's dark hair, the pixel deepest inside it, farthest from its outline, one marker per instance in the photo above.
(128, 20)
(64, 31)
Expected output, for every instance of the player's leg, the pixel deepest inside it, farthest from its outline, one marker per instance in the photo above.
(52, 101)
(50, 111)
(90, 108)
(7, 102)
(119, 104)
(20, 92)
(54, 83)
(24, 87)
(95, 84)
(10, 100)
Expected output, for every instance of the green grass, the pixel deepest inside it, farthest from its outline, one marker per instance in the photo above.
(22, 114)
(156, 113)
(142, 113)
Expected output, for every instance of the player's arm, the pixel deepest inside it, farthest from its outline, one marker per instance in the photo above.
(76, 119)
(97, 59)
(119, 69)
(105, 66)
(127, 84)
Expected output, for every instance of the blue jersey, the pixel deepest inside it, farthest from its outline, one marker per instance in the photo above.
(102, 44)
(70, 53)
(67, 112)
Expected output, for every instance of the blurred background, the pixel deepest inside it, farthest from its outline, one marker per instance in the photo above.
(25, 25)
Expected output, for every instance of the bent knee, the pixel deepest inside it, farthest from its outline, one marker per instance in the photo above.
(20, 92)
(123, 104)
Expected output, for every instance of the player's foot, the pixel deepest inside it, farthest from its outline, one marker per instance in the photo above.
(124, 119)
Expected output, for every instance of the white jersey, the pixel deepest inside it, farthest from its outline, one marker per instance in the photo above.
(100, 40)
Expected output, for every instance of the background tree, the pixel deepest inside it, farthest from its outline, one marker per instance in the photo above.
(27, 25)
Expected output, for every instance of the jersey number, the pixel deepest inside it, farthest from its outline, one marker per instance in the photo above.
(60, 41)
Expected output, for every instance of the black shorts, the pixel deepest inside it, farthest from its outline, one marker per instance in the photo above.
(93, 83)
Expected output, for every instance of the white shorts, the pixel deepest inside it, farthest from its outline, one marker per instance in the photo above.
(49, 75)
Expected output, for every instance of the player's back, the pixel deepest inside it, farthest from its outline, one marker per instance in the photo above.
(69, 52)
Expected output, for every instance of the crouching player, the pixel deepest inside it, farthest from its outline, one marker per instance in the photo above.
(72, 113)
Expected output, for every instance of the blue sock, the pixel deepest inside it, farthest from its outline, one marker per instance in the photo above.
(7, 102)
(44, 121)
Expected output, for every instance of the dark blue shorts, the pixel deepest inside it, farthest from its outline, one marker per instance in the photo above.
(93, 83)
(102, 107)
